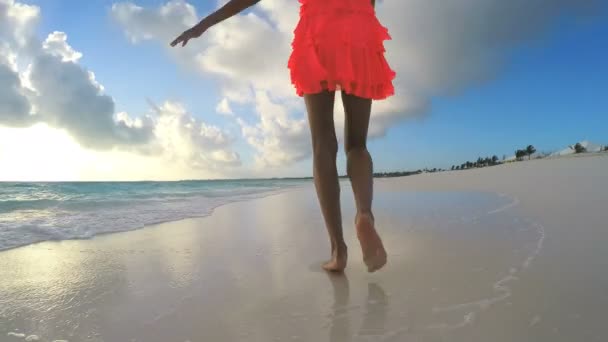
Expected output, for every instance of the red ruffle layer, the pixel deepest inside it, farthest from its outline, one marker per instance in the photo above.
(338, 45)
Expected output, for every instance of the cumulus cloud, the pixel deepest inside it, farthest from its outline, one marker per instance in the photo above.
(233, 54)
(79, 104)
(243, 53)
(141, 23)
(161, 24)
(14, 106)
(54, 89)
(438, 48)
(187, 139)
(18, 22)
(441, 47)
(277, 138)
(56, 44)
(224, 107)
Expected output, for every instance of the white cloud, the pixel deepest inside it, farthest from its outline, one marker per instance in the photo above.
(224, 107)
(14, 106)
(64, 95)
(56, 44)
(441, 47)
(248, 50)
(438, 48)
(53, 86)
(185, 139)
(278, 138)
(79, 104)
(162, 23)
(18, 22)
(8, 57)
(244, 52)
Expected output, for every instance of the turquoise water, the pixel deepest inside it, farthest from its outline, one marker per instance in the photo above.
(34, 212)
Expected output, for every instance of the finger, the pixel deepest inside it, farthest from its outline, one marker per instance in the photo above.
(176, 41)
(185, 42)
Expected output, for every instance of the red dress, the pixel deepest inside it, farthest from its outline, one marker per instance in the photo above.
(338, 45)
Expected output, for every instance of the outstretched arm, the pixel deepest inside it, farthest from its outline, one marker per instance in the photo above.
(233, 7)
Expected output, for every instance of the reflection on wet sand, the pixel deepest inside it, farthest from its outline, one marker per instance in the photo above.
(375, 311)
(340, 320)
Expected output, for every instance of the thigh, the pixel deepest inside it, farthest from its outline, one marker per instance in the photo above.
(320, 109)
(357, 112)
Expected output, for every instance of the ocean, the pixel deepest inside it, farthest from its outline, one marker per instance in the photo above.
(35, 212)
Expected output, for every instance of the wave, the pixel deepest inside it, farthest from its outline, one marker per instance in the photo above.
(32, 215)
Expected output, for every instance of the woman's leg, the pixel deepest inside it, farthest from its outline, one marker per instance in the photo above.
(320, 108)
(360, 171)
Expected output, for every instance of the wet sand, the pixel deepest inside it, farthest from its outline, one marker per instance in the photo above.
(509, 253)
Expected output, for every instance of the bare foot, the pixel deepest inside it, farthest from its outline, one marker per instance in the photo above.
(374, 254)
(338, 260)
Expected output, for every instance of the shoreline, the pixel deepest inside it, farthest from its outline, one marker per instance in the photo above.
(379, 181)
(150, 225)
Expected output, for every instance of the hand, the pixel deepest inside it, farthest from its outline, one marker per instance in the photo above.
(191, 33)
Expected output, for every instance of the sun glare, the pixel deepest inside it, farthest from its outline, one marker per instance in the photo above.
(43, 153)
(39, 153)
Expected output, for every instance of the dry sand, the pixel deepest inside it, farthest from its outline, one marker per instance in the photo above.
(508, 253)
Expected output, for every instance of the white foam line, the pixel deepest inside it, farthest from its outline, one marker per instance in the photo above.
(467, 319)
(500, 286)
(392, 334)
(483, 304)
(14, 334)
(539, 245)
(514, 202)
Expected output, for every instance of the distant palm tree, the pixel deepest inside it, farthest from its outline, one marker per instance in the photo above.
(530, 150)
(519, 154)
(606, 148)
(494, 159)
(578, 148)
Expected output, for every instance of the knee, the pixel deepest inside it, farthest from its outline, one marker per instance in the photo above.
(356, 157)
(325, 149)
(356, 145)
(353, 152)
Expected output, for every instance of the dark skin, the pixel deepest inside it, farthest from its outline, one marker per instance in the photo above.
(230, 9)
(320, 109)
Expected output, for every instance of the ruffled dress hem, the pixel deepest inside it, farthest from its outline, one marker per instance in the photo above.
(338, 45)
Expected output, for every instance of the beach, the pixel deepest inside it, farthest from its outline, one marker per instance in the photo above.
(515, 252)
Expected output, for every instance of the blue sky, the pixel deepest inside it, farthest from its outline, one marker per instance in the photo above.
(550, 94)
(549, 91)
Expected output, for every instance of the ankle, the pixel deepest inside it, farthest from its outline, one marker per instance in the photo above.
(340, 247)
(364, 215)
